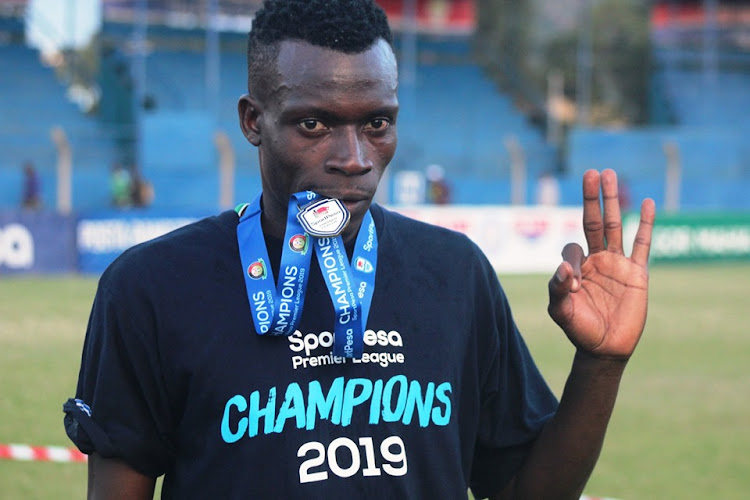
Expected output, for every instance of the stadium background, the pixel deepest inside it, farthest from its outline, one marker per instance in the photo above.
(495, 92)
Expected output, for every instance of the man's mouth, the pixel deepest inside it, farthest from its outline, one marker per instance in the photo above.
(352, 202)
(353, 205)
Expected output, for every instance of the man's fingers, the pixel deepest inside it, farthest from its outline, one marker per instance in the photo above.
(567, 278)
(559, 284)
(572, 253)
(642, 242)
(559, 293)
(612, 217)
(593, 226)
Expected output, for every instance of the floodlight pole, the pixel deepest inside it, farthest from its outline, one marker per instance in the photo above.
(710, 54)
(64, 170)
(140, 28)
(213, 62)
(226, 170)
(517, 170)
(555, 86)
(673, 178)
(584, 63)
(409, 58)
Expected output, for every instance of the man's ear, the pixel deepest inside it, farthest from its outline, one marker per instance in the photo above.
(250, 112)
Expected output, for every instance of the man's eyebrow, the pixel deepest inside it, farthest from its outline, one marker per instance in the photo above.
(303, 111)
(326, 114)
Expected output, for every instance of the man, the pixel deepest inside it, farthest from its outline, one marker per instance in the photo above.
(120, 186)
(30, 195)
(401, 378)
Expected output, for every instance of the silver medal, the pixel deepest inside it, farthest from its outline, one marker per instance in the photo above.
(324, 218)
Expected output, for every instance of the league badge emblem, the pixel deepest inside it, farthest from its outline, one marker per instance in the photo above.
(257, 270)
(324, 218)
(298, 243)
(364, 265)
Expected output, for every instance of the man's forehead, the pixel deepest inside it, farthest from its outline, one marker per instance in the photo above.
(300, 64)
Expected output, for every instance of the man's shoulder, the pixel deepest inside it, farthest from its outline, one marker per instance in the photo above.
(191, 243)
(206, 231)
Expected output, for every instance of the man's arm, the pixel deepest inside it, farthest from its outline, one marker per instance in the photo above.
(566, 452)
(600, 302)
(113, 479)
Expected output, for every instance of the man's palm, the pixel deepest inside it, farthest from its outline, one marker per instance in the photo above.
(600, 300)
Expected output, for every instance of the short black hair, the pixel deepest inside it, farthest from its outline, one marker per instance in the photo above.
(349, 26)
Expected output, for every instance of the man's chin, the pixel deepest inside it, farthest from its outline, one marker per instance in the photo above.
(357, 211)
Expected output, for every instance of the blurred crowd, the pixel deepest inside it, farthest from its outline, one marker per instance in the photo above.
(128, 188)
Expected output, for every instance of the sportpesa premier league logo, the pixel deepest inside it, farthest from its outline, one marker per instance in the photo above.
(299, 243)
(257, 270)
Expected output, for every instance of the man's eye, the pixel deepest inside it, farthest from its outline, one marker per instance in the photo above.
(311, 125)
(379, 124)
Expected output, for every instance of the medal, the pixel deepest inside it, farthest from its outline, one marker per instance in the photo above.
(277, 307)
(324, 218)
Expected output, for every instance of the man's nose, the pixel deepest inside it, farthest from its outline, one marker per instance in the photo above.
(348, 152)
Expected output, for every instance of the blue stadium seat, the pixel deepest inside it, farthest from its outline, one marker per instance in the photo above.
(458, 118)
(33, 100)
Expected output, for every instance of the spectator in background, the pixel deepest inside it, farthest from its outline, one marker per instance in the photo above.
(548, 190)
(141, 190)
(119, 186)
(438, 191)
(30, 198)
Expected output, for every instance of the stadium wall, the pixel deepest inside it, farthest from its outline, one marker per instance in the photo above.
(515, 239)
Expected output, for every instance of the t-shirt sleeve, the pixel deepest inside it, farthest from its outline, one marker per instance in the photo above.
(121, 409)
(516, 401)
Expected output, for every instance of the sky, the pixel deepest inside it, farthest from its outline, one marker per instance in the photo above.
(55, 24)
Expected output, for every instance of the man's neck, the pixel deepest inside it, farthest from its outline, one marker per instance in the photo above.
(274, 223)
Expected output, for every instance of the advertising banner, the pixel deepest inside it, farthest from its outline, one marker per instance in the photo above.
(530, 239)
(36, 242)
(101, 238)
(515, 239)
(698, 237)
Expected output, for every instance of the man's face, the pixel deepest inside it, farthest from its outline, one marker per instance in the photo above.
(328, 125)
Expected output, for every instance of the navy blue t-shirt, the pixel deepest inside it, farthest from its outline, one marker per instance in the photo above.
(174, 380)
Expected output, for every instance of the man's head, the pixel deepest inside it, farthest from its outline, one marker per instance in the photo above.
(348, 26)
(322, 102)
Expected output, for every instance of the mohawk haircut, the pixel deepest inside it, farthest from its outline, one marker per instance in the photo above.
(349, 26)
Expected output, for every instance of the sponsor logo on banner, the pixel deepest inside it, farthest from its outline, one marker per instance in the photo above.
(532, 227)
(100, 240)
(16, 247)
(514, 239)
(113, 235)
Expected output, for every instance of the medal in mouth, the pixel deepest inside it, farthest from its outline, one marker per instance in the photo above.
(324, 218)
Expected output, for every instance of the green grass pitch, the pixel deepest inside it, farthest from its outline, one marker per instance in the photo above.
(679, 431)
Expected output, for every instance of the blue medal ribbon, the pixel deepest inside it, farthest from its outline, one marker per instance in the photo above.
(277, 308)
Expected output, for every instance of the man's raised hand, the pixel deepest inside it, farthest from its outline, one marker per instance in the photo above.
(600, 299)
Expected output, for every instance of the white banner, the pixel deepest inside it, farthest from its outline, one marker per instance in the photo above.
(515, 239)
